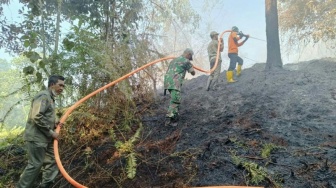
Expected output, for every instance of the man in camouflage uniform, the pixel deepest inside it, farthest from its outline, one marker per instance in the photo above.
(173, 80)
(39, 135)
(212, 53)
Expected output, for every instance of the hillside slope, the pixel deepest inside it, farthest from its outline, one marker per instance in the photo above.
(273, 129)
(268, 129)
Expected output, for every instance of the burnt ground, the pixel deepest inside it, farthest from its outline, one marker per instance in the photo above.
(273, 129)
(268, 129)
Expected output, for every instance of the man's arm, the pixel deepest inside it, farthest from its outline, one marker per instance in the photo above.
(221, 48)
(190, 68)
(240, 43)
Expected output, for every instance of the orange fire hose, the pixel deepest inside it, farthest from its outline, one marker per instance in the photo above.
(227, 187)
(217, 57)
(73, 107)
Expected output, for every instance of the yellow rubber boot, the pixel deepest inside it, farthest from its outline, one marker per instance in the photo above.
(229, 77)
(239, 68)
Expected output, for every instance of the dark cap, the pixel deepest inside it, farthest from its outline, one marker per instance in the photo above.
(213, 33)
(235, 28)
(189, 51)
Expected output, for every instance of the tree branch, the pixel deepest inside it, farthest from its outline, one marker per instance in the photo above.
(10, 109)
(14, 92)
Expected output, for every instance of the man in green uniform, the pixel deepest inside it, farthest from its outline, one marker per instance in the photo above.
(212, 53)
(39, 135)
(173, 80)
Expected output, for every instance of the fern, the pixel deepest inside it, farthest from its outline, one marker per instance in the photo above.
(256, 173)
(131, 165)
(267, 149)
(112, 134)
(127, 148)
(136, 136)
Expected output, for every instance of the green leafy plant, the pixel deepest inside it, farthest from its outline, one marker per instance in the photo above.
(7, 136)
(127, 149)
(131, 165)
(267, 149)
(256, 173)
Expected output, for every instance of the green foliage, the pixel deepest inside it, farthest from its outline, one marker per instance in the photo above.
(8, 136)
(127, 149)
(131, 165)
(128, 146)
(97, 48)
(13, 97)
(308, 21)
(256, 173)
(267, 149)
(238, 143)
(28, 70)
(112, 135)
(11, 155)
(68, 45)
(236, 159)
(32, 56)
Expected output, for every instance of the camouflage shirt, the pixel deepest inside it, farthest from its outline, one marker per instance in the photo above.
(41, 118)
(176, 72)
(212, 50)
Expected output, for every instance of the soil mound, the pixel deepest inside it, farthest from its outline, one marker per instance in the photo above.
(272, 129)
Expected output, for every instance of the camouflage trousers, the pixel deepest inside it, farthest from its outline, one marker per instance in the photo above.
(174, 105)
(213, 78)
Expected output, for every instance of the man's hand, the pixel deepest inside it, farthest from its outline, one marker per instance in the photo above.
(241, 34)
(55, 135)
(58, 124)
(246, 37)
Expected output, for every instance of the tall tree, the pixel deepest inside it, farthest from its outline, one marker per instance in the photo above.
(303, 22)
(272, 35)
(106, 39)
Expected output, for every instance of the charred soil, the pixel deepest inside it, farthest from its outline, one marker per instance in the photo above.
(271, 129)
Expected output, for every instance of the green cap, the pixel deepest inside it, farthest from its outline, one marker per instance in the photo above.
(213, 33)
(188, 51)
(235, 28)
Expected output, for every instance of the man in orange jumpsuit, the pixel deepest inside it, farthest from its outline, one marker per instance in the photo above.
(233, 53)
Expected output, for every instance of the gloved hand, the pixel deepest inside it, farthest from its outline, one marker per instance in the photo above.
(246, 37)
(241, 34)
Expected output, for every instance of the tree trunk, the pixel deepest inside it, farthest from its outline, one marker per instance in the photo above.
(41, 7)
(272, 35)
(42, 29)
(54, 65)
